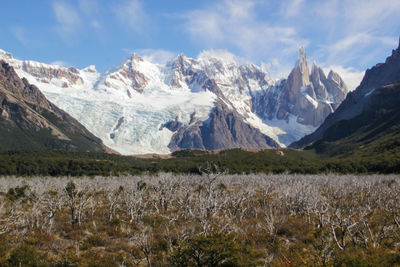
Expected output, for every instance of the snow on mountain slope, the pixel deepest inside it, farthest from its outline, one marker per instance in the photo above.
(100, 101)
(128, 105)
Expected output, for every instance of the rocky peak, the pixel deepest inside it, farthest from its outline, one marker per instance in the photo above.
(318, 79)
(182, 59)
(302, 57)
(45, 73)
(182, 71)
(136, 58)
(91, 69)
(128, 76)
(335, 77)
(5, 55)
(317, 71)
(300, 75)
(299, 78)
(309, 97)
(182, 63)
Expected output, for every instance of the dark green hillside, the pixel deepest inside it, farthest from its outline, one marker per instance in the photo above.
(374, 133)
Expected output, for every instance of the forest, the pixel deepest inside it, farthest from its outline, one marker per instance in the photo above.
(212, 218)
(234, 161)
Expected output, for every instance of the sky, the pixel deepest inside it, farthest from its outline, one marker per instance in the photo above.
(348, 36)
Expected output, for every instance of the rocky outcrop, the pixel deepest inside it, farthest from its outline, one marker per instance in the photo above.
(29, 121)
(379, 75)
(127, 77)
(182, 72)
(309, 97)
(223, 129)
(45, 73)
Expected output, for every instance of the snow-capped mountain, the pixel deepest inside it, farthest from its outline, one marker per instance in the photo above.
(143, 107)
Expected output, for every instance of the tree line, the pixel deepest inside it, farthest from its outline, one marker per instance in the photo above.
(236, 161)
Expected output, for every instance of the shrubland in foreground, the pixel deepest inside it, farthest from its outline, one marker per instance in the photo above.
(193, 220)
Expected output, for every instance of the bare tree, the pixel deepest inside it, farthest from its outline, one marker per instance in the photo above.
(77, 201)
(144, 240)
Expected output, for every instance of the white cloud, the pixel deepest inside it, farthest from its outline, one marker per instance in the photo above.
(235, 24)
(221, 54)
(159, 56)
(368, 15)
(20, 34)
(351, 76)
(359, 47)
(131, 14)
(345, 50)
(274, 69)
(352, 32)
(60, 63)
(69, 20)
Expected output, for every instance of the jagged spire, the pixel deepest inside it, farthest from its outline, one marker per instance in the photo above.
(302, 61)
(302, 54)
(314, 67)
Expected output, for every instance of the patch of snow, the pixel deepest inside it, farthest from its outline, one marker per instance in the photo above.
(370, 92)
(291, 130)
(312, 100)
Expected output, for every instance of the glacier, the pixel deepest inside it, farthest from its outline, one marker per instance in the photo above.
(128, 104)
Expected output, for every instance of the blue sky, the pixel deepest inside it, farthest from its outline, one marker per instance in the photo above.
(347, 35)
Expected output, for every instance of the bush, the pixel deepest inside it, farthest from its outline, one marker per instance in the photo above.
(216, 249)
(26, 256)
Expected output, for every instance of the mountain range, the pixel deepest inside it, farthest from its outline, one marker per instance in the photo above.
(208, 103)
(368, 120)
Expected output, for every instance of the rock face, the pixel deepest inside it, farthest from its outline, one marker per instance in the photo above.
(140, 106)
(355, 102)
(126, 77)
(29, 121)
(46, 74)
(224, 129)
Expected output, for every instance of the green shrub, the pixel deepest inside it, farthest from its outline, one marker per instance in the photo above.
(27, 256)
(216, 249)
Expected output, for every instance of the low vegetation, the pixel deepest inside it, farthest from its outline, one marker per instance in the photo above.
(212, 219)
(236, 161)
